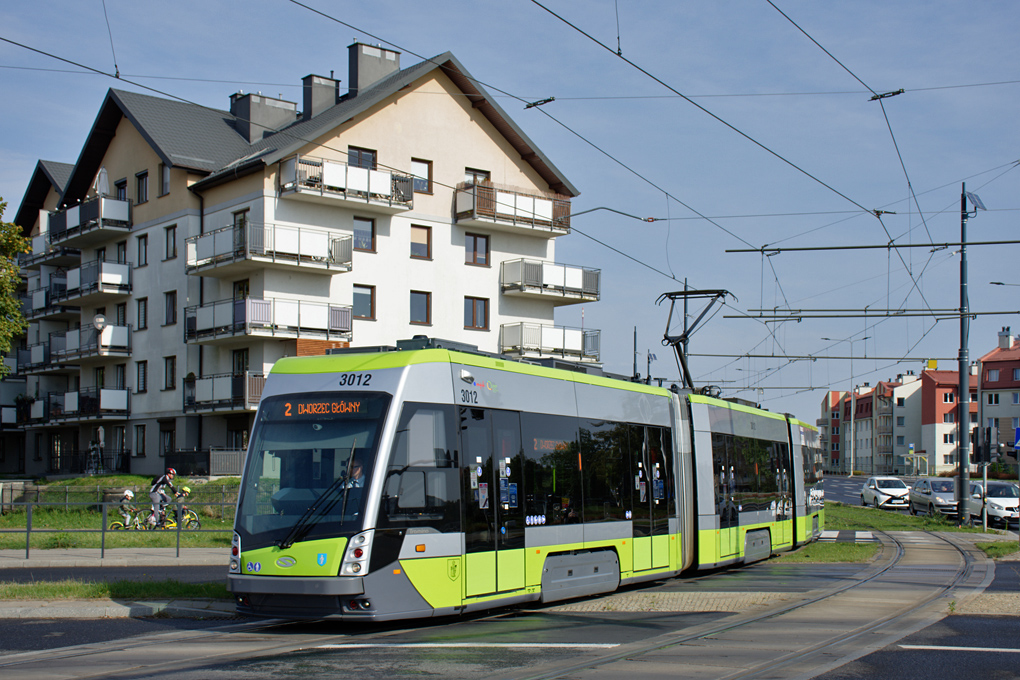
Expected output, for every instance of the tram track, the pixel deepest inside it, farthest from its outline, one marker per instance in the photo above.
(772, 666)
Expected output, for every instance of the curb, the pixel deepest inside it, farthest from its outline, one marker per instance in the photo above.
(112, 609)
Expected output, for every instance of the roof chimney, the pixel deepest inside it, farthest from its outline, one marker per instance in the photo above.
(258, 115)
(1005, 339)
(367, 65)
(321, 93)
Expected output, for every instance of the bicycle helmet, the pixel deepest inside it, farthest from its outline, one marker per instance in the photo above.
(129, 494)
(171, 471)
(185, 490)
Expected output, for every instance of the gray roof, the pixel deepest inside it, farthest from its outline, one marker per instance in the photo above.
(47, 175)
(206, 141)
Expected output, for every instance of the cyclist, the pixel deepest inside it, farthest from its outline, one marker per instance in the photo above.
(158, 495)
(126, 509)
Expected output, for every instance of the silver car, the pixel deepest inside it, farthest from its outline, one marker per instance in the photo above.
(885, 492)
(1000, 502)
(933, 496)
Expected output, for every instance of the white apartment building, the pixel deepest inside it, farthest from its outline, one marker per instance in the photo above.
(188, 249)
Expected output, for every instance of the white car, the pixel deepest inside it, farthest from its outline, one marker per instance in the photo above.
(885, 492)
(1001, 503)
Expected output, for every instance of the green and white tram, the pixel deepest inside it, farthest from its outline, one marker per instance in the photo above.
(398, 484)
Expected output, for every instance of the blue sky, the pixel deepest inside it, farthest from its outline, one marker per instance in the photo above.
(788, 149)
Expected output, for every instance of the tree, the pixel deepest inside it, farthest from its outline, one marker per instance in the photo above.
(12, 323)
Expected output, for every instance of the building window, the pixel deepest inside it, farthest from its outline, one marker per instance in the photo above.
(900, 440)
(900, 421)
(474, 176)
(142, 187)
(120, 189)
(948, 417)
(364, 234)
(993, 399)
(170, 302)
(120, 312)
(140, 440)
(169, 373)
(143, 250)
(122, 252)
(476, 249)
(142, 313)
(993, 375)
(835, 431)
(364, 302)
(422, 171)
(1016, 374)
(949, 438)
(835, 446)
(948, 397)
(973, 418)
(991, 422)
(142, 376)
(476, 313)
(835, 415)
(900, 401)
(1016, 397)
(171, 242)
(167, 438)
(421, 307)
(1016, 423)
(164, 179)
(361, 158)
(421, 242)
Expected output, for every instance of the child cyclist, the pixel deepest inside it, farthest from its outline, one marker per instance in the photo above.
(126, 508)
(159, 497)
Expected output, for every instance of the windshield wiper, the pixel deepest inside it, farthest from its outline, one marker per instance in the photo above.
(308, 519)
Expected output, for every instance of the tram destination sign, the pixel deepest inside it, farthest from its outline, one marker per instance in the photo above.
(323, 405)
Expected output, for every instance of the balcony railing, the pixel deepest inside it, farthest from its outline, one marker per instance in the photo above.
(487, 204)
(90, 403)
(532, 339)
(90, 461)
(247, 247)
(98, 280)
(89, 341)
(44, 252)
(275, 317)
(324, 180)
(226, 391)
(46, 301)
(90, 222)
(536, 278)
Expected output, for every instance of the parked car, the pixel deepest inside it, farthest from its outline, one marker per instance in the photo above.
(933, 496)
(885, 492)
(1001, 502)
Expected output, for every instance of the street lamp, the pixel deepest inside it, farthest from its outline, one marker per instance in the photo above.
(963, 428)
(853, 396)
(1000, 283)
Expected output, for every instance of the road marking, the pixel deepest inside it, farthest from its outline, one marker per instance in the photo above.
(481, 645)
(960, 649)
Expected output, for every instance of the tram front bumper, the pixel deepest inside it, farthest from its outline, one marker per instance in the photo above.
(296, 585)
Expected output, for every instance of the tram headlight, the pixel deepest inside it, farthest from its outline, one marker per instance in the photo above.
(235, 554)
(358, 553)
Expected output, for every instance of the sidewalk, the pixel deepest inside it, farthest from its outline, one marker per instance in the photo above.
(116, 557)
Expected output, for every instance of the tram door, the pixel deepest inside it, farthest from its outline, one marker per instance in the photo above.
(654, 501)
(494, 526)
(724, 459)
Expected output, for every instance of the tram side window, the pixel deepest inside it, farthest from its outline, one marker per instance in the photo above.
(552, 493)
(421, 479)
(608, 483)
(660, 461)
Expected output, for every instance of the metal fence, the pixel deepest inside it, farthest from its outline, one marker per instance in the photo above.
(105, 513)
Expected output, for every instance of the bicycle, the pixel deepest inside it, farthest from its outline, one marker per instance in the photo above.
(170, 520)
(137, 522)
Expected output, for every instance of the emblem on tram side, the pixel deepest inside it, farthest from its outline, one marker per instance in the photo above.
(286, 562)
(321, 559)
(452, 568)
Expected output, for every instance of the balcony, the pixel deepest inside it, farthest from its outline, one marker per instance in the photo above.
(486, 205)
(330, 182)
(45, 301)
(239, 249)
(235, 321)
(561, 284)
(82, 345)
(224, 392)
(91, 222)
(537, 340)
(98, 282)
(44, 252)
(43, 358)
(93, 403)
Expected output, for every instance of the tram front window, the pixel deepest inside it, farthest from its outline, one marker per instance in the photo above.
(309, 466)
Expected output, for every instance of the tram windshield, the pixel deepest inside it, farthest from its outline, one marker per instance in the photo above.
(309, 466)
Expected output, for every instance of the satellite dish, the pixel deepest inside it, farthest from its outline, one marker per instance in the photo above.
(99, 321)
(976, 201)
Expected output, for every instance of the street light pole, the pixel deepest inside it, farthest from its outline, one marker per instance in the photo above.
(963, 421)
